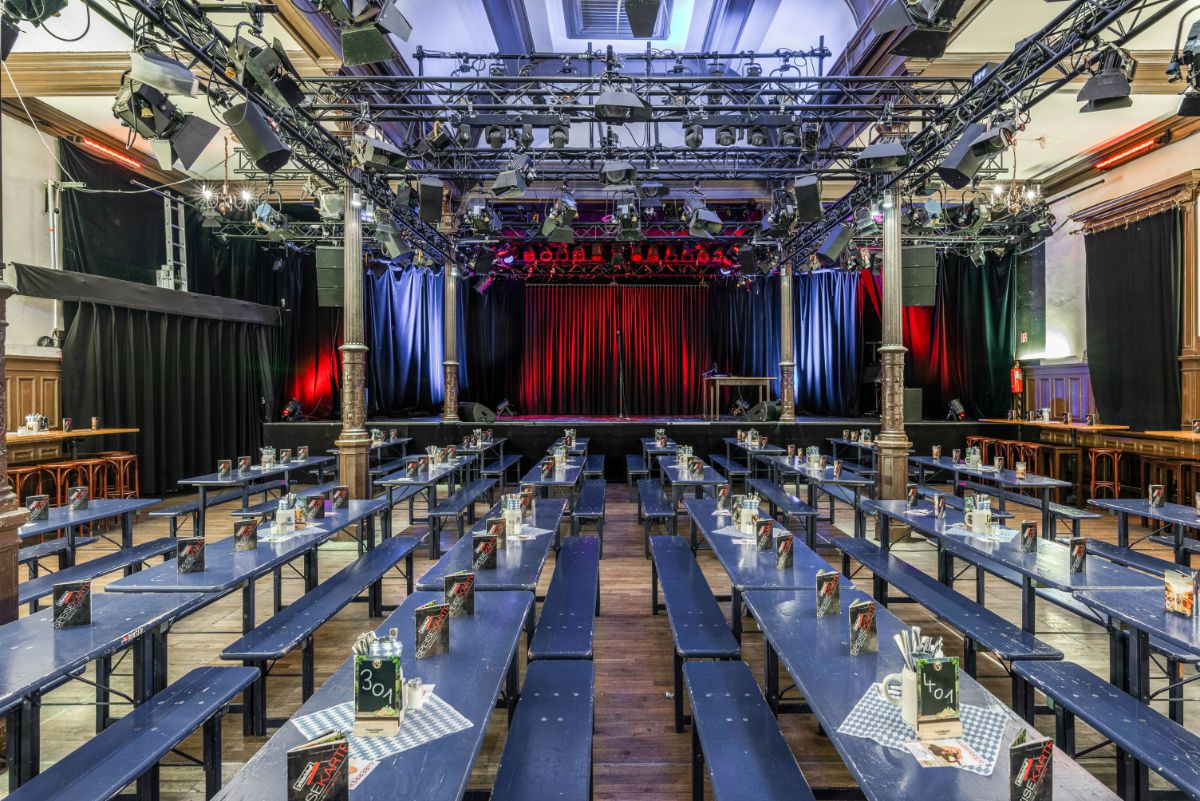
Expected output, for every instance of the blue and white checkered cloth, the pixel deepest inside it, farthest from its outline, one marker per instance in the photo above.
(434, 720)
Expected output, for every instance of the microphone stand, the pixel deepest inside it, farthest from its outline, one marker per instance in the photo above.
(620, 377)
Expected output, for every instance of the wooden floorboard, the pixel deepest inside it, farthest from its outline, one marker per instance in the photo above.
(637, 754)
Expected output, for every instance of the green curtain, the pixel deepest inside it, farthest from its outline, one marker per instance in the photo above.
(980, 302)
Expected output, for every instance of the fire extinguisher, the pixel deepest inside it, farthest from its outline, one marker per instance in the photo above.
(1016, 377)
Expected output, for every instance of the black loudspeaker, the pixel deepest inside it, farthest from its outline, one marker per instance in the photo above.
(808, 198)
(834, 244)
(747, 261)
(8, 37)
(960, 166)
(913, 400)
(919, 276)
(763, 412)
(429, 199)
(331, 276)
(643, 16)
(257, 136)
(475, 413)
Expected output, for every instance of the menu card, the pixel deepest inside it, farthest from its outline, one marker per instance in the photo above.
(1029, 536)
(1180, 588)
(496, 527)
(483, 551)
(912, 499)
(829, 593)
(38, 506)
(1031, 769)
(72, 604)
(285, 455)
(314, 506)
(784, 551)
(319, 770)
(189, 554)
(864, 637)
(460, 593)
(245, 534)
(433, 629)
(1078, 549)
(77, 498)
(764, 534)
(302, 453)
(341, 497)
(224, 469)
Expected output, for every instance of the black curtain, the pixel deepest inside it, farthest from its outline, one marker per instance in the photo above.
(495, 340)
(119, 236)
(197, 388)
(1133, 308)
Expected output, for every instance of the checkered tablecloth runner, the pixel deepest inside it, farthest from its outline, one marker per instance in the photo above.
(1004, 535)
(873, 718)
(737, 534)
(271, 535)
(434, 720)
(530, 533)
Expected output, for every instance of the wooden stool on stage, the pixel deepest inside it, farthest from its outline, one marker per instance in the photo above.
(25, 480)
(1101, 457)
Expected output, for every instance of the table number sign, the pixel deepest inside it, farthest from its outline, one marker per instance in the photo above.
(1031, 769)
(243, 464)
(937, 698)
(496, 528)
(1180, 587)
(460, 593)
(72, 604)
(1065, 419)
(956, 455)
(1196, 502)
(189, 554)
(38, 507)
(829, 593)
(378, 695)
(764, 534)
(433, 629)
(1010, 415)
(314, 506)
(1021, 471)
(411, 468)
(319, 770)
(1029, 536)
(1078, 549)
(77, 498)
(784, 551)
(95, 423)
(224, 469)
(528, 499)
(245, 535)
(483, 554)
(864, 636)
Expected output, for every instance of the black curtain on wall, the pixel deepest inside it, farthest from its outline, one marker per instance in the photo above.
(495, 330)
(1133, 307)
(197, 388)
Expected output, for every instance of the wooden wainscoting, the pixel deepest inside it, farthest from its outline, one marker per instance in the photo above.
(33, 385)
(1061, 388)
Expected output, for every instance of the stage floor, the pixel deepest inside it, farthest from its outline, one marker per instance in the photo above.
(561, 419)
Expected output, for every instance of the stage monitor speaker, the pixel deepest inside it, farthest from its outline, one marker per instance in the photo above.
(643, 17)
(331, 276)
(808, 198)
(961, 165)
(475, 413)
(918, 276)
(429, 199)
(913, 400)
(763, 412)
(254, 132)
(831, 249)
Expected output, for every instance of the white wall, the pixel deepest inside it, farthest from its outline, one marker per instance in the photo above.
(28, 165)
(1066, 287)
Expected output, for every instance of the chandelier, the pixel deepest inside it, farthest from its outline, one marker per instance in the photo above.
(222, 200)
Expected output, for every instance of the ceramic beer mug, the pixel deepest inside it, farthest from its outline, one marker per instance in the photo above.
(905, 683)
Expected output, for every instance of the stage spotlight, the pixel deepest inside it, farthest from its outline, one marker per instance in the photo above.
(210, 219)
(782, 216)
(268, 71)
(257, 137)
(885, 155)
(366, 40)
(495, 136)
(956, 410)
(436, 140)
(1189, 103)
(726, 136)
(651, 194)
(559, 136)
(503, 408)
(8, 38)
(617, 175)
(620, 105)
(1110, 85)
(557, 225)
(291, 411)
(977, 145)
(484, 260)
(482, 218)
(392, 243)
(693, 136)
(271, 221)
(481, 285)
(525, 137)
(34, 11)
(835, 244)
(740, 407)
(177, 139)
(927, 25)
(757, 136)
(629, 220)
(514, 181)
(151, 68)
(702, 222)
(377, 155)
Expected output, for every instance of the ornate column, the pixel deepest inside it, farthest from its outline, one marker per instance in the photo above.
(450, 341)
(12, 516)
(353, 443)
(892, 442)
(787, 348)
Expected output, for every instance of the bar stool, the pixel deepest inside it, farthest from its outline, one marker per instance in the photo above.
(1057, 457)
(122, 475)
(1101, 457)
(25, 480)
(983, 443)
(64, 475)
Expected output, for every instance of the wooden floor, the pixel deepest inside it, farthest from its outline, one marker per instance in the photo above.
(637, 754)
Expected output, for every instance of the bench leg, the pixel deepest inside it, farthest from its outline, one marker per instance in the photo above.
(435, 538)
(679, 720)
(1175, 693)
(969, 656)
(408, 572)
(646, 535)
(260, 702)
(308, 659)
(212, 755)
(654, 607)
(103, 676)
(697, 767)
(1064, 730)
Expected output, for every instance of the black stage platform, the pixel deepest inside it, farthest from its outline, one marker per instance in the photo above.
(613, 437)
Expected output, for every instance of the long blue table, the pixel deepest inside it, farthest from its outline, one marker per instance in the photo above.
(816, 654)
(38, 658)
(565, 478)
(651, 451)
(61, 518)
(1005, 479)
(767, 450)
(243, 479)
(685, 479)
(482, 659)
(426, 479)
(1178, 516)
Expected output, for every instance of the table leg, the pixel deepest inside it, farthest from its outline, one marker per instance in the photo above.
(885, 531)
(771, 674)
(1122, 529)
(1182, 557)
(248, 607)
(512, 687)
(810, 531)
(735, 606)
(1047, 520)
(67, 558)
(200, 512)
(1028, 605)
(1139, 687)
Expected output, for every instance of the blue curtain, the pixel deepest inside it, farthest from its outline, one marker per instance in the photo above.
(827, 357)
(743, 324)
(404, 335)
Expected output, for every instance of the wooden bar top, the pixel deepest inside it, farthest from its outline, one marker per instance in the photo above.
(13, 437)
(1182, 436)
(1072, 426)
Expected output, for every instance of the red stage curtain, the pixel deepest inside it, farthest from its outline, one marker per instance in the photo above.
(570, 356)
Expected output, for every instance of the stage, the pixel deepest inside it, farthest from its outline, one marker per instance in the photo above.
(614, 438)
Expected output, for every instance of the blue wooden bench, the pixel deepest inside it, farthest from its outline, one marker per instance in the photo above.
(635, 469)
(698, 625)
(499, 469)
(567, 623)
(1058, 511)
(859, 468)
(1129, 557)
(779, 500)
(127, 559)
(296, 624)
(132, 747)
(737, 738)
(1134, 728)
(192, 508)
(30, 555)
(461, 507)
(269, 506)
(593, 466)
(654, 508)
(1190, 544)
(548, 751)
(589, 508)
(733, 471)
(980, 628)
